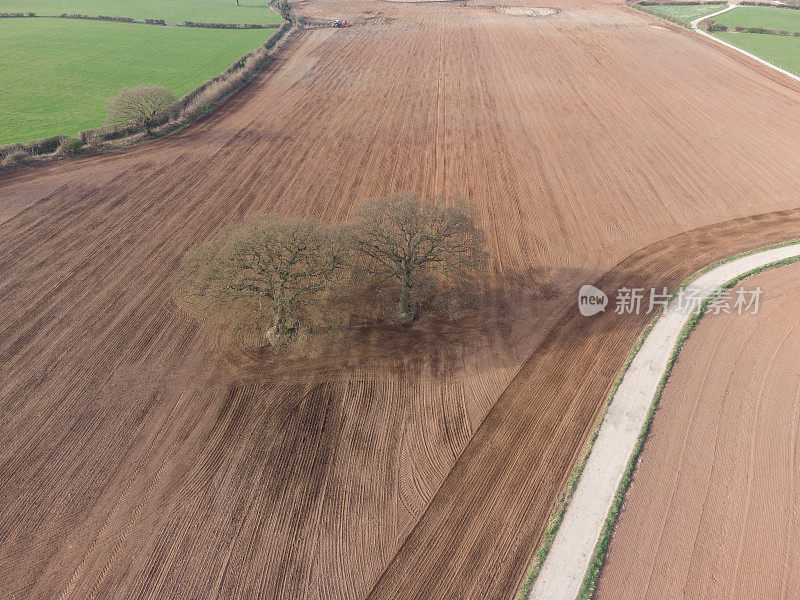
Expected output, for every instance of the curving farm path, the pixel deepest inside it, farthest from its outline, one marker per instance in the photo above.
(142, 458)
(714, 498)
(566, 565)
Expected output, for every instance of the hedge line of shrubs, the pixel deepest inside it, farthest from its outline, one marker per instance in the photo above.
(680, 3)
(97, 18)
(672, 19)
(769, 5)
(57, 146)
(714, 26)
(228, 25)
(114, 19)
(185, 110)
(148, 21)
(5, 15)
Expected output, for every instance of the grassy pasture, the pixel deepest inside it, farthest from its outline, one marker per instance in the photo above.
(58, 74)
(172, 11)
(782, 51)
(779, 19)
(683, 14)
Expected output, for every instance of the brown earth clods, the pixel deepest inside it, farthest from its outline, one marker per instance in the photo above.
(141, 458)
(712, 510)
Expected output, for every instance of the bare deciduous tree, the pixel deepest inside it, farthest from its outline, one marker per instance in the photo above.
(269, 272)
(139, 106)
(418, 244)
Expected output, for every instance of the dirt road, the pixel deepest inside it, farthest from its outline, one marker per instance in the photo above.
(142, 459)
(714, 498)
(570, 557)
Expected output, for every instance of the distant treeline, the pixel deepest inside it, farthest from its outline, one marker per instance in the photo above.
(713, 26)
(161, 22)
(680, 3)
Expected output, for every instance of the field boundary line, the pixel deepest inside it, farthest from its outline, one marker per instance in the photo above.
(568, 560)
(145, 21)
(694, 27)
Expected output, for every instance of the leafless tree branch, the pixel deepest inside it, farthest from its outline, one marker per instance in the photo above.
(141, 106)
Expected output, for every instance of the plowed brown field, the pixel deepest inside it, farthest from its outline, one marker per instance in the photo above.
(141, 459)
(712, 510)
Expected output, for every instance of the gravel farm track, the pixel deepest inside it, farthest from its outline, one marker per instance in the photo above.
(141, 458)
(714, 498)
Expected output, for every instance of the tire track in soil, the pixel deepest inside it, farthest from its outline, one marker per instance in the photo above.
(151, 450)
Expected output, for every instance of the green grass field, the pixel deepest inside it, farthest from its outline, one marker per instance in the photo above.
(172, 11)
(58, 74)
(782, 51)
(683, 14)
(779, 19)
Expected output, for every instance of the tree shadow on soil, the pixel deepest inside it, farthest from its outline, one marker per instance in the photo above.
(502, 325)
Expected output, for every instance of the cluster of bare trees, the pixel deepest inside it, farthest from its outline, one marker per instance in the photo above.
(285, 276)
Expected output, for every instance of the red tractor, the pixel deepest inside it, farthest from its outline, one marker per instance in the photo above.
(340, 23)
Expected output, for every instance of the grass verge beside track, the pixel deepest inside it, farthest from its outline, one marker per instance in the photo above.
(80, 65)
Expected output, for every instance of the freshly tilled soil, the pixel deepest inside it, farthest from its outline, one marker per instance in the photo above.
(141, 457)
